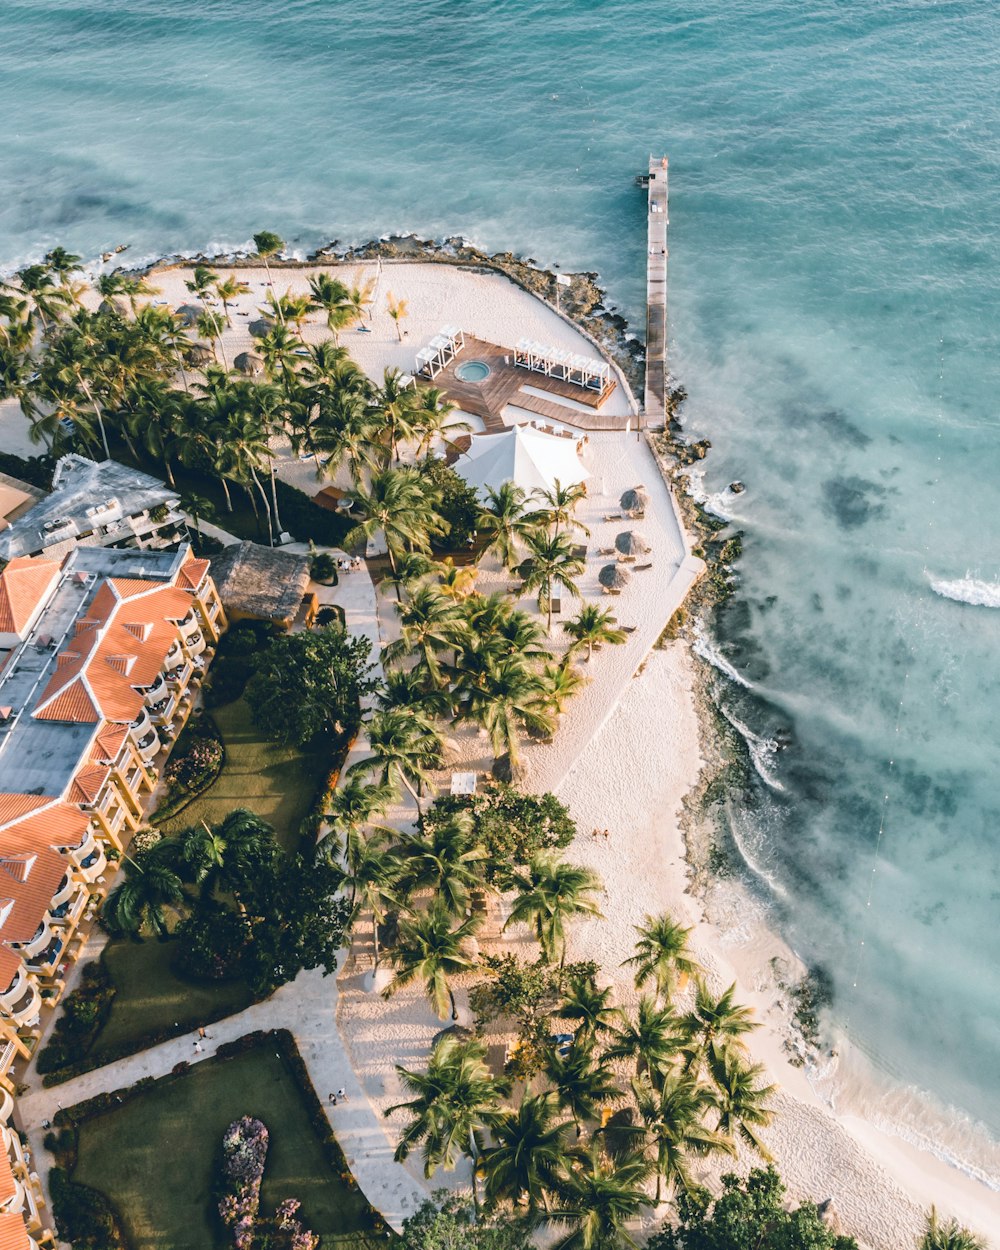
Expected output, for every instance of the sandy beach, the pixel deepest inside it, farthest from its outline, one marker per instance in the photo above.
(625, 757)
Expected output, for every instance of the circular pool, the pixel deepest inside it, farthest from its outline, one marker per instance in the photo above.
(473, 371)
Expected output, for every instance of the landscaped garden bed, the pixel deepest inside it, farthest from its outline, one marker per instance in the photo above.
(153, 1151)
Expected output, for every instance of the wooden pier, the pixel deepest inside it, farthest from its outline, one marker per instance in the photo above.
(655, 396)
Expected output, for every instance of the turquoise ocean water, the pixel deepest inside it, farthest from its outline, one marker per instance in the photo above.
(834, 267)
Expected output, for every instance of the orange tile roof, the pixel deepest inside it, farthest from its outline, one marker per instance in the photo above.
(72, 704)
(14, 806)
(10, 964)
(86, 785)
(59, 824)
(8, 1186)
(17, 866)
(23, 584)
(192, 571)
(13, 1233)
(31, 898)
(109, 743)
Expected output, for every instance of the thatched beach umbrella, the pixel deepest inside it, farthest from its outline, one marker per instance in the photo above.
(260, 327)
(200, 355)
(613, 577)
(634, 499)
(188, 313)
(249, 364)
(632, 543)
(117, 305)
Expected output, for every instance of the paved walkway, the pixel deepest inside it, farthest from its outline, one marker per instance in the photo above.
(308, 1008)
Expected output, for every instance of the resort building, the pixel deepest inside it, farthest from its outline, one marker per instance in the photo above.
(100, 656)
(94, 504)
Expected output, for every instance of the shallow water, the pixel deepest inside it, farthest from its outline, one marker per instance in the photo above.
(834, 265)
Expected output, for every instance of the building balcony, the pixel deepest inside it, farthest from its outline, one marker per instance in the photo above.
(6, 1104)
(90, 869)
(21, 1000)
(63, 894)
(163, 710)
(78, 854)
(37, 944)
(179, 677)
(173, 655)
(156, 692)
(44, 960)
(17, 1201)
(67, 915)
(141, 725)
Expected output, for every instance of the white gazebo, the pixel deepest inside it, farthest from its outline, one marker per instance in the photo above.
(522, 455)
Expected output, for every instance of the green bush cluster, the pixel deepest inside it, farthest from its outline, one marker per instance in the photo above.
(235, 661)
(84, 1216)
(307, 521)
(35, 470)
(83, 1015)
(457, 504)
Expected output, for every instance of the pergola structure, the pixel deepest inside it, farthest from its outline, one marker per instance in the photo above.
(440, 351)
(555, 362)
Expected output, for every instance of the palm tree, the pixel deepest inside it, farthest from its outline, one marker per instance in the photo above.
(372, 877)
(397, 309)
(672, 1116)
(197, 507)
(269, 244)
(356, 803)
(582, 1081)
(739, 1097)
(662, 955)
(397, 402)
(404, 746)
(62, 264)
(431, 951)
(229, 289)
(454, 1101)
(346, 428)
(592, 626)
(429, 624)
(413, 565)
(717, 1021)
(550, 563)
(49, 299)
(360, 298)
(227, 858)
(598, 1198)
(506, 696)
(528, 1154)
(409, 689)
(210, 326)
(396, 505)
(584, 1002)
(139, 901)
(507, 520)
(202, 281)
(560, 502)
(551, 892)
(653, 1039)
(447, 861)
(561, 682)
(279, 350)
(430, 419)
(333, 297)
(948, 1236)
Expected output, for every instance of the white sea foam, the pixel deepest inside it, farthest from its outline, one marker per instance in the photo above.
(704, 647)
(762, 751)
(719, 504)
(970, 590)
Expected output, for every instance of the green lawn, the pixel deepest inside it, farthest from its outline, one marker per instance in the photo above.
(152, 998)
(155, 1157)
(279, 783)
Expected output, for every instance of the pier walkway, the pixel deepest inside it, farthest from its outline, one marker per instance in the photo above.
(655, 397)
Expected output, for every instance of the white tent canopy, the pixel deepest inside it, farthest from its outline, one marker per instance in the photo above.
(522, 455)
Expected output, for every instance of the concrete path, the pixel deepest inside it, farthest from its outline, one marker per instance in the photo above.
(308, 1008)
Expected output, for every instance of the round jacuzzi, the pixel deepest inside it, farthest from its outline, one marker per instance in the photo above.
(473, 371)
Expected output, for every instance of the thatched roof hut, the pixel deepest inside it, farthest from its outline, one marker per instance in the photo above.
(613, 577)
(250, 364)
(261, 327)
(200, 355)
(632, 543)
(188, 313)
(634, 499)
(261, 583)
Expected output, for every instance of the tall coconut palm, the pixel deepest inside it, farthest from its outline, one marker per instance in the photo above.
(653, 1038)
(411, 690)
(396, 505)
(550, 564)
(357, 804)
(398, 310)
(582, 1080)
(673, 1117)
(662, 955)
(505, 517)
(346, 428)
(139, 901)
(279, 350)
(48, 298)
(269, 244)
(740, 1098)
(552, 892)
(404, 747)
(948, 1235)
(372, 877)
(197, 507)
(588, 1005)
(397, 402)
(63, 264)
(717, 1022)
(203, 279)
(431, 417)
(429, 625)
(528, 1155)
(411, 568)
(210, 326)
(229, 289)
(598, 1198)
(432, 947)
(454, 1101)
(506, 696)
(333, 297)
(593, 627)
(446, 860)
(559, 504)
(561, 682)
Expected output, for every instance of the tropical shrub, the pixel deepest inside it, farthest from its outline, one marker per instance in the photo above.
(457, 504)
(198, 764)
(322, 567)
(235, 661)
(307, 521)
(448, 1222)
(84, 1216)
(83, 1015)
(211, 943)
(244, 1153)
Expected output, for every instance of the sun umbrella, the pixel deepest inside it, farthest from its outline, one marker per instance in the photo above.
(189, 313)
(634, 499)
(117, 305)
(200, 355)
(249, 364)
(613, 577)
(260, 327)
(632, 544)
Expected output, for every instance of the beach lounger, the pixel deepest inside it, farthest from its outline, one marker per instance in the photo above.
(614, 516)
(606, 551)
(628, 629)
(639, 568)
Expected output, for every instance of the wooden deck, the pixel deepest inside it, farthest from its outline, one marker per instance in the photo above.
(655, 398)
(505, 385)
